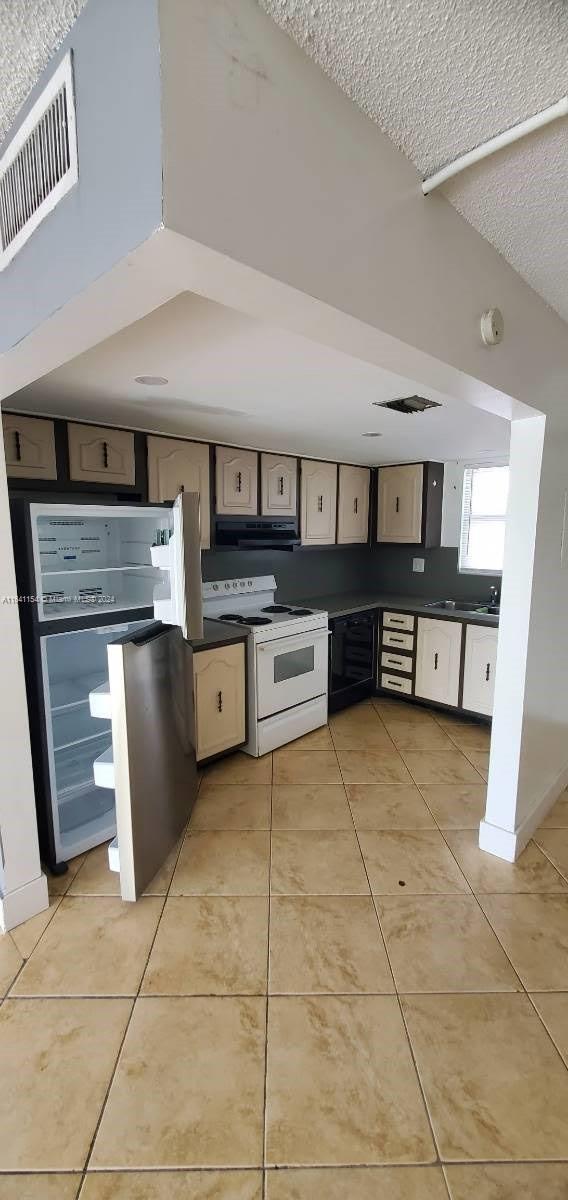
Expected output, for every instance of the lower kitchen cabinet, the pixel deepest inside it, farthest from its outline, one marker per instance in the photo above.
(438, 657)
(219, 699)
(479, 669)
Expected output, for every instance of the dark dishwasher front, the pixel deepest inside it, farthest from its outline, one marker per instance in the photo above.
(352, 658)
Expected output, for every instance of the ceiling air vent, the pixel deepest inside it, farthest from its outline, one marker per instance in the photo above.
(40, 164)
(407, 404)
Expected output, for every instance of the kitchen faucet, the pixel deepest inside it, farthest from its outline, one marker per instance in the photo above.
(494, 595)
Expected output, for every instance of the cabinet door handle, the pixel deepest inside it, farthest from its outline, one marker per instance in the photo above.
(320, 503)
(355, 505)
(397, 505)
(436, 661)
(17, 446)
(219, 702)
(239, 483)
(488, 671)
(281, 485)
(105, 455)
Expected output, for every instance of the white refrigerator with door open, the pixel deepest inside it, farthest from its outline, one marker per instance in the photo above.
(116, 593)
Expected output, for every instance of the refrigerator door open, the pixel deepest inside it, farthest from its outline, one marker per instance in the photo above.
(178, 600)
(153, 757)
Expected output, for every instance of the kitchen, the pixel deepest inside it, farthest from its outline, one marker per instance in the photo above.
(324, 582)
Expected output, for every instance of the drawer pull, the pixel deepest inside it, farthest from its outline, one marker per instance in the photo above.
(394, 683)
(399, 641)
(219, 702)
(488, 671)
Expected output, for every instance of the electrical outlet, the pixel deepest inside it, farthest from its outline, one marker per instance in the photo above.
(418, 565)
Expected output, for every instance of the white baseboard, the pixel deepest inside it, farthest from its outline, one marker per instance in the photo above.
(23, 903)
(509, 845)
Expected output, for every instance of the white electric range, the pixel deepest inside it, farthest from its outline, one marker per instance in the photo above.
(287, 659)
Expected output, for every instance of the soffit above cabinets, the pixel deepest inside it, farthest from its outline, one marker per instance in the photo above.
(233, 380)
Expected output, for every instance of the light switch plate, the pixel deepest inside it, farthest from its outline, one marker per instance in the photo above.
(418, 565)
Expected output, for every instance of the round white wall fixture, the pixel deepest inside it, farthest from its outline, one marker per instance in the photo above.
(492, 327)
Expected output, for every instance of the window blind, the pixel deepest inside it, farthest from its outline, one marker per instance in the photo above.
(484, 511)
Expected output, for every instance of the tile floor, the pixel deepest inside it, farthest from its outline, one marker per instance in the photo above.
(328, 992)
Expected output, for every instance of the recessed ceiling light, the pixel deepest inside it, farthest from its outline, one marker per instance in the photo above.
(151, 380)
(371, 434)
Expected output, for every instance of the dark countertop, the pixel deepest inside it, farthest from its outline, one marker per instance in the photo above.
(339, 605)
(218, 633)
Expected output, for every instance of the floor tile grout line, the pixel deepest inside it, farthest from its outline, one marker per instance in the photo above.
(388, 958)
(543, 850)
(134, 1001)
(543, 1023)
(484, 915)
(265, 1084)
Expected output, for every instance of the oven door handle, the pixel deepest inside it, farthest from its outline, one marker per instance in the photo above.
(298, 641)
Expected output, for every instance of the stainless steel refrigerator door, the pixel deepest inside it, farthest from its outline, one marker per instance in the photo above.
(150, 679)
(186, 583)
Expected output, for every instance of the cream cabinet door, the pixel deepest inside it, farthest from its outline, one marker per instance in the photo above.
(479, 668)
(353, 508)
(318, 502)
(219, 699)
(99, 455)
(237, 481)
(279, 485)
(29, 447)
(399, 517)
(175, 466)
(438, 658)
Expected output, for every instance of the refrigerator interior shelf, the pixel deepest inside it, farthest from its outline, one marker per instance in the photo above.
(59, 611)
(74, 767)
(152, 571)
(103, 769)
(87, 822)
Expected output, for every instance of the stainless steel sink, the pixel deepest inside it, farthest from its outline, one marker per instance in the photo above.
(464, 606)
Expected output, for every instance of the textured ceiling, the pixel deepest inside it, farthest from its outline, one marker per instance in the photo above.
(30, 31)
(438, 76)
(442, 76)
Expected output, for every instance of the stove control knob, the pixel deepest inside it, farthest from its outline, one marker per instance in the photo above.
(227, 586)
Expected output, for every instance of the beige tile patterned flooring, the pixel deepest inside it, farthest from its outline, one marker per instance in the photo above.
(328, 992)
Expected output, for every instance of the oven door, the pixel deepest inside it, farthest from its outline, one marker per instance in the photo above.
(290, 670)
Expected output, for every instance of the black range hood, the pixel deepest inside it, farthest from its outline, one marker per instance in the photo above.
(256, 533)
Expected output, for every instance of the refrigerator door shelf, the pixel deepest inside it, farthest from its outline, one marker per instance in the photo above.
(178, 602)
(103, 769)
(99, 702)
(113, 856)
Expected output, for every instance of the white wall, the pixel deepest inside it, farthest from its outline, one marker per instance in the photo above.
(23, 888)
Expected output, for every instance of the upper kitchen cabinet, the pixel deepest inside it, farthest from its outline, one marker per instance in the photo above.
(279, 485)
(99, 455)
(237, 481)
(176, 466)
(29, 447)
(409, 501)
(318, 502)
(353, 507)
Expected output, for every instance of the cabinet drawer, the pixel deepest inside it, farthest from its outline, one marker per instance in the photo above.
(397, 662)
(400, 641)
(395, 684)
(398, 620)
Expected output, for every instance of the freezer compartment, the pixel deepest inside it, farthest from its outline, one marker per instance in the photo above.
(75, 664)
(96, 559)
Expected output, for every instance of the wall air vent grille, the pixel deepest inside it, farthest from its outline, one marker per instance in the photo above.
(40, 164)
(407, 404)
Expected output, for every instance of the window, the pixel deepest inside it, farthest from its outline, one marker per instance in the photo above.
(484, 511)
